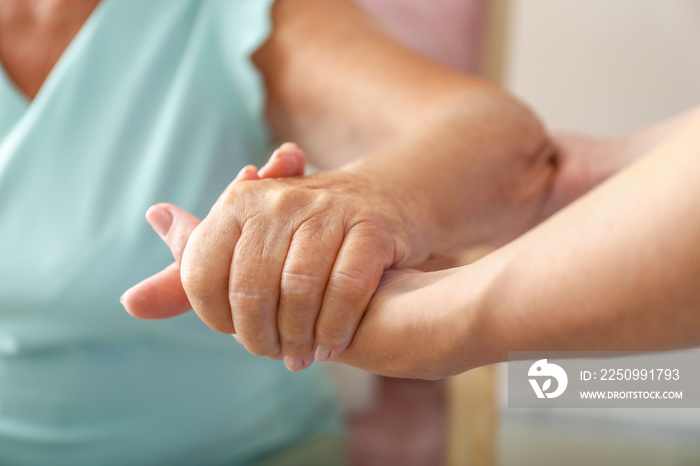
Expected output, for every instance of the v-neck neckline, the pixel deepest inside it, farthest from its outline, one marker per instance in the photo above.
(24, 100)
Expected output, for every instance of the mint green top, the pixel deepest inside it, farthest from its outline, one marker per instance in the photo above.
(153, 101)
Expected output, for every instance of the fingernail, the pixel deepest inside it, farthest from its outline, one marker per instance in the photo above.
(322, 353)
(289, 149)
(276, 155)
(160, 219)
(123, 299)
(247, 173)
(294, 364)
(277, 357)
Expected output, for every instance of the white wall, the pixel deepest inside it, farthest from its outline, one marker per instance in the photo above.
(605, 66)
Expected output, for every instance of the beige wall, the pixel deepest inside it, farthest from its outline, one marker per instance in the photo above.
(605, 66)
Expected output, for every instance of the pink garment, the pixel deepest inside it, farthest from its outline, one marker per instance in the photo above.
(450, 31)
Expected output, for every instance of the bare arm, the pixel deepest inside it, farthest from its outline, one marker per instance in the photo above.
(448, 160)
(446, 144)
(620, 268)
(617, 270)
(340, 87)
(583, 161)
(451, 161)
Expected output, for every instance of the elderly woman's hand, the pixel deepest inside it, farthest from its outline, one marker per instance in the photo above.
(288, 265)
(432, 161)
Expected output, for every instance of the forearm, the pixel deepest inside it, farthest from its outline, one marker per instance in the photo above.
(470, 162)
(342, 88)
(476, 174)
(632, 146)
(617, 270)
(584, 161)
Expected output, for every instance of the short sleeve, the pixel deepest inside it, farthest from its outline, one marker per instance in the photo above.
(244, 25)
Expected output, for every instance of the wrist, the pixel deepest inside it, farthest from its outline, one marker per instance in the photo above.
(400, 198)
(475, 340)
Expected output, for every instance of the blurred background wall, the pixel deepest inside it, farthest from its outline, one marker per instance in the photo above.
(604, 66)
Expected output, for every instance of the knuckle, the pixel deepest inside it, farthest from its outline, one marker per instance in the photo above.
(234, 195)
(250, 303)
(298, 287)
(195, 283)
(370, 218)
(334, 339)
(351, 284)
(317, 238)
(284, 199)
(325, 200)
(231, 194)
(373, 237)
(190, 279)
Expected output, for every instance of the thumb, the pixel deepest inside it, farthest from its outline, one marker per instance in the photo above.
(161, 296)
(174, 226)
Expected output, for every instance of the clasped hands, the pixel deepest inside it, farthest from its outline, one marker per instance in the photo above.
(288, 264)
